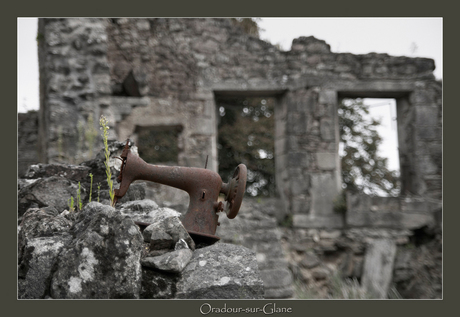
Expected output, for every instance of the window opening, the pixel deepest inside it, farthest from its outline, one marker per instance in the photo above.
(246, 135)
(369, 146)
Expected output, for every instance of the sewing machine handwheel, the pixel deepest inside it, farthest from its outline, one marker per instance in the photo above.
(236, 189)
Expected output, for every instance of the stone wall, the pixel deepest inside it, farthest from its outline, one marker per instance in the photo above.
(163, 73)
(27, 141)
(166, 72)
(74, 84)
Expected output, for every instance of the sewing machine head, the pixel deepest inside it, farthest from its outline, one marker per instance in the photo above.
(202, 185)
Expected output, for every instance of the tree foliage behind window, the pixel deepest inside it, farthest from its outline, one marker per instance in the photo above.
(246, 135)
(363, 170)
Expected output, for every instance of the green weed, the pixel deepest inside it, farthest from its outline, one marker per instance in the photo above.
(79, 202)
(98, 190)
(105, 134)
(70, 203)
(90, 186)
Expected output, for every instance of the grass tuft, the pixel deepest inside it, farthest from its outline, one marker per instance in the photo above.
(105, 134)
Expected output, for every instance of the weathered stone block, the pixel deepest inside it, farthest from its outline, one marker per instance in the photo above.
(426, 115)
(324, 189)
(35, 271)
(327, 129)
(300, 205)
(320, 221)
(281, 146)
(275, 278)
(299, 185)
(103, 258)
(309, 260)
(296, 123)
(327, 97)
(429, 132)
(174, 261)
(378, 267)
(158, 238)
(395, 219)
(52, 191)
(297, 159)
(326, 161)
(221, 271)
(427, 165)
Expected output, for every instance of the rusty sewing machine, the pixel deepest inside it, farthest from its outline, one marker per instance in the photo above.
(202, 185)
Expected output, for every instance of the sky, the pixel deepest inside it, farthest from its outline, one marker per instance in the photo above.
(413, 37)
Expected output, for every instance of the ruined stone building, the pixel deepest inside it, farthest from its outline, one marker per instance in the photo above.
(165, 74)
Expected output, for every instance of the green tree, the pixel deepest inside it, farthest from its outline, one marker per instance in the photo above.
(363, 170)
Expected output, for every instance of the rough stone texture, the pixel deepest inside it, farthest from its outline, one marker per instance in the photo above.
(158, 239)
(75, 88)
(165, 219)
(313, 252)
(96, 253)
(173, 262)
(27, 140)
(158, 284)
(389, 212)
(418, 266)
(258, 232)
(54, 184)
(39, 257)
(166, 72)
(378, 267)
(146, 210)
(76, 173)
(221, 271)
(42, 235)
(103, 258)
(310, 260)
(54, 191)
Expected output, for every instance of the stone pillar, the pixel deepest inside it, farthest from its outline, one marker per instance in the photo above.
(420, 140)
(74, 79)
(427, 128)
(378, 267)
(308, 164)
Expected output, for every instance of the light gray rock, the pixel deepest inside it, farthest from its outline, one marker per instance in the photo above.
(103, 259)
(378, 267)
(42, 222)
(259, 232)
(76, 173)
(146, 210)
(181, 244)
(174, 261)
(158, 239)
(34, 272)
(162, 220)
(221, 271)
(54, 191)
(309, 260)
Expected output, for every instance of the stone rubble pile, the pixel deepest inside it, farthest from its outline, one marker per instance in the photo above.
(100, 252)
(136, 250)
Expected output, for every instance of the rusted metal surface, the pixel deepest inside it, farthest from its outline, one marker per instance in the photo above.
(202, 185)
